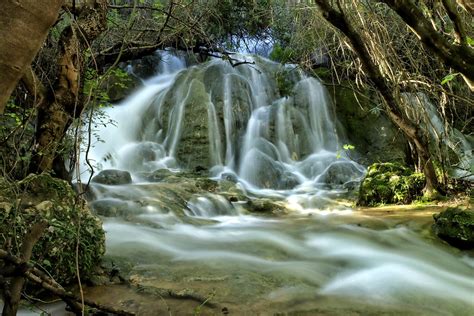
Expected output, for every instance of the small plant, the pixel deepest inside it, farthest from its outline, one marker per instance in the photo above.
(449, 78)
(347, 148)
(281, 55)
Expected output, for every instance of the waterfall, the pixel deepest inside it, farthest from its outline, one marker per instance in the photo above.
(271, 146)
(229, 119)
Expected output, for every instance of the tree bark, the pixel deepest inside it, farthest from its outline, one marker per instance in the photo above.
(24, 26)
(64, 101)
(13, 293)
(413, 132)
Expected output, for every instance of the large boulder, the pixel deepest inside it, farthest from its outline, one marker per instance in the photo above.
(374, 136)
(388, 183)
(456, 226)
(113, 177)
(41, 197)
(263, 171)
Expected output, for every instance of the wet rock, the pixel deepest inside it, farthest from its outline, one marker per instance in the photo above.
(456, 226)
(388, 183)
(157, 175)
(110, 207)
(264, 172)
(193, 148)
(207, 184)
(113, 177)
(265, 206)
(375, 138)
(340, 174)
(141, 156)
(146, 66)
(232, 191)
(232, 177)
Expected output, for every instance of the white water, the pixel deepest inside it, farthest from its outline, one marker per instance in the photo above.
(305, 258)
(285, 147)
(268, 141)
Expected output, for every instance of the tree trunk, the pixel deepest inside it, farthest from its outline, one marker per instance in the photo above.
(64, 102)
(24, 25)
(413, 132)
(13, 293)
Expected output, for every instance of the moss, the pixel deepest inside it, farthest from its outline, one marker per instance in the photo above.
(41, 197)
(387, 183)
(456, 226)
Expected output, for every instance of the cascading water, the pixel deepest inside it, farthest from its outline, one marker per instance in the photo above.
(234, 122)
(229, 119)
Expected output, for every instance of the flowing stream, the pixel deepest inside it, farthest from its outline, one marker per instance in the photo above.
(237, 123)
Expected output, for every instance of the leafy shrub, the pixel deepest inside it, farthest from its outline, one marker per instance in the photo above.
(41, 197)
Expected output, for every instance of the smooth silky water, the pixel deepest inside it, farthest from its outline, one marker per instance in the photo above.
(322, 257)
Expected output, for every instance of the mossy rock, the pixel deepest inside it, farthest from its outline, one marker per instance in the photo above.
(113, 177)
(265, 206)
(456, 226)
(390, 183)
(42, 197)
(157, 175)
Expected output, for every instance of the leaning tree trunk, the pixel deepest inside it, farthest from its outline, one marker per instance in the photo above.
(24, 26)
(393, 106)
(64, 102)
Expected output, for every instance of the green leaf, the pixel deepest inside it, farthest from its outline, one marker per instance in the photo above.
(449, 77)
(470, 41)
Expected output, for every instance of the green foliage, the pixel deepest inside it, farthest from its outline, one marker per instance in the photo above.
(322, 73)
(92, 88)
(109, 87)
(470, 41)
(346, 148)
(284, 83)
(449, 78)
(387, 183)
(41, 197)
(12, 117)
(282, 55)
(16, 129)
(228, 21)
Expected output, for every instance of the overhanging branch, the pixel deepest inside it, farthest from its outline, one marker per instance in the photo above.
(458, 57)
